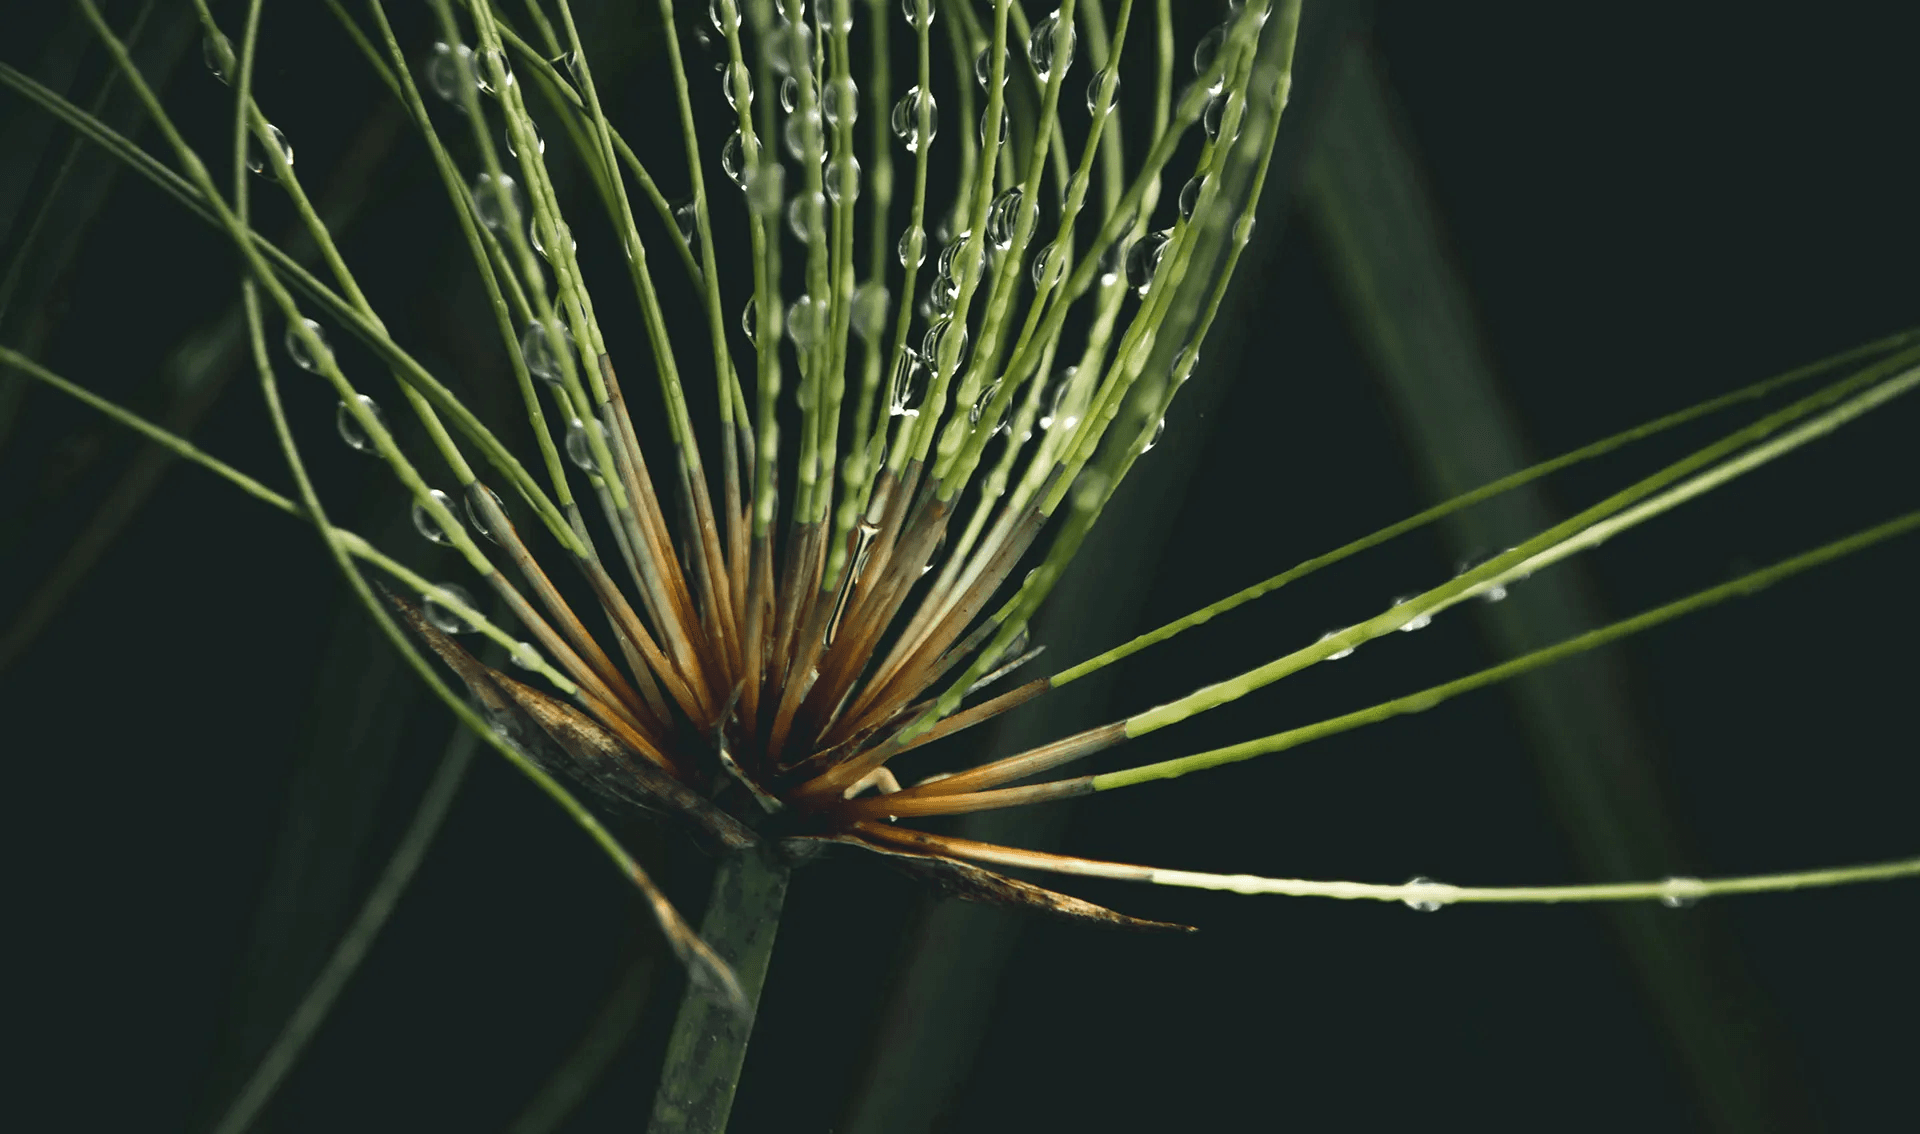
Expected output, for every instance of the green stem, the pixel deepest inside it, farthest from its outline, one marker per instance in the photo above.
(709, 1042)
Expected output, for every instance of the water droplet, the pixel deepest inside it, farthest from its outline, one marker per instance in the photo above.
(217, 50)
(804, 321)
(539, 143)
(1159, 431)
(733, 159)
(580, 445)
(1143, 260)
(749, 323)
(733, 79)
(1418, 621)
(1050, 42)
(1190, 196)
(1424, 902)
(906, 118)
(843, 188)
(257, 163)
(936, 336)
(766, 189)
(476, 515)
(496, 203)
(443, 617)
(687, 219)
(912, 10)
(1340, 654)
(450, 72)
(789, 94)
(913, 247)
(869, 315)
(1208, 49)
(942, 296)
(1003, 127)
(1044, 266)
(790, 49)
(546, 350)
(981, 403)
(1057, 400)
(983, 67)
(297, 348)
(426, 523)
(349, 425)
(540, 246)
(525, 656)
(802, 135)
(803, 214)
(841, 99)
(495, 58)
(1682, 892)
(1003, 216)
(908, 385)
(1101, 95)
(723, 20)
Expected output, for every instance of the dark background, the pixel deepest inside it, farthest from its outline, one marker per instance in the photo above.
(1648, 207)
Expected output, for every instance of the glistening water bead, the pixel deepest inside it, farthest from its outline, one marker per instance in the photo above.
(1100, 94)
(1143, 260)
(580, 445)
(913, 9)
(217, 50)
(913, 247)
(450, 73)
(1002, 217)
(905, 119)
(426, 523)
(1423, 903)
(279, 142)
(442, 616)
(983, 67)
(544, 359)
(843, 187)
(1418, 621)
(297, 348)
(1048, 43)
(349, 425)
(496, 202)
(686, 218)
(476, 517)
(733, 159)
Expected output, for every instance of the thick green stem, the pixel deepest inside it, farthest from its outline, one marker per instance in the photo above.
(709, 1043)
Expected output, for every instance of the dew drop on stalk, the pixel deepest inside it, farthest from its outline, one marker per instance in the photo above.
(942, 295)
(843, 188)
(804, 321)
(733, 159)
(1419, 621)
(1682, 892)
(544, 357)
(565, 233)
(911, 9)
(789, 93)
(426, 523)
(1210, 117)
(734, 78)
(1050, 42)
(1043, 266)
(913, 247)
(766, 189)
(1058, 399)
(1003, 215)
(1190, 196)
(297, 346)
(442, 616)
(749, 323)
(802, 135)
(905, 119)
(983, 67)
(840, 100)
(580, 445)
(1208, 49)
(1159, 431)
(686, 219)
(476, 515)
(1103, 90)
(1004, 118)
(525, 656)
(450, 72)
(717, 12)
(217, 50)
(1143, 260)
(908, 385)
(1424, 902)
(803, 214)
(1348, 652)
(981, 404)
(349, 425)
(496, 202)
(869, 314)
(790, 49)
(258, 164)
